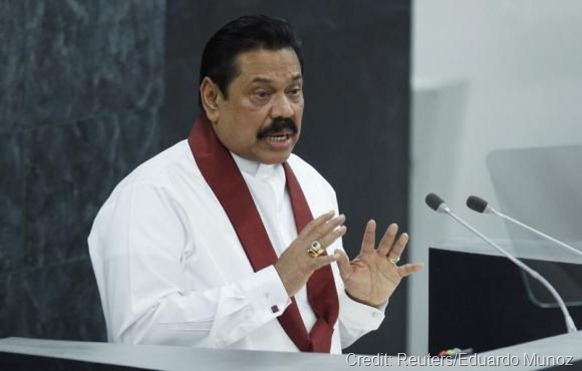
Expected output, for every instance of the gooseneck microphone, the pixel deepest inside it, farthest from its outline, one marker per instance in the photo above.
(481, 206)
(438, 204)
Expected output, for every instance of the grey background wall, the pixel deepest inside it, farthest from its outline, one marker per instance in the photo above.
(96, 87)
(81, 87)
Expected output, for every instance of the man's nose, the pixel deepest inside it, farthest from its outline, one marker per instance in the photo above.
(282, 107)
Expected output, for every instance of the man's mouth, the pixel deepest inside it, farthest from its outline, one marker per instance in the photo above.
(279, 131)
(279, 137)
(281, 141)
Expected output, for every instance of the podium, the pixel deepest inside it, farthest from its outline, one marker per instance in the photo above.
(479, 299)
(49, 355)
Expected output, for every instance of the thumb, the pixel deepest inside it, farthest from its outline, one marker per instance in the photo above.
(343, 263)
(323, 260)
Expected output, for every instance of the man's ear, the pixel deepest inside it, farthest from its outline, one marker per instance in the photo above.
(210, 96)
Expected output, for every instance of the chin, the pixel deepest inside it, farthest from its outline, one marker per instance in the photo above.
(274, 158)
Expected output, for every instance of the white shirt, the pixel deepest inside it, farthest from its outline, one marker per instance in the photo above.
(171, 270)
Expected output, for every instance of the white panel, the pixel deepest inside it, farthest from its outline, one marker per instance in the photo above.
(520, 62)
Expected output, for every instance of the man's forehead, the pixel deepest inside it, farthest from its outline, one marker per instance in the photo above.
(261, 65)
(265, 79)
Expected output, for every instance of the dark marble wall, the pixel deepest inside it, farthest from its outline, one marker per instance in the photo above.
(81, 86)
(356, 121)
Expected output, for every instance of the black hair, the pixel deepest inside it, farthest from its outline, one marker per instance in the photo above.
(244, 34)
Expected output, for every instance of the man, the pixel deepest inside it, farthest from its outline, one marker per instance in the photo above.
(213, 243)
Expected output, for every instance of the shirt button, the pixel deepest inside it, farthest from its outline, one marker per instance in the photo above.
(275, 309)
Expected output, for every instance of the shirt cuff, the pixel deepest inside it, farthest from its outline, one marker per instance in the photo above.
(366, 317)
(267, 293)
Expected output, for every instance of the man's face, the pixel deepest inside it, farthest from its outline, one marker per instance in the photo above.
(261, 119)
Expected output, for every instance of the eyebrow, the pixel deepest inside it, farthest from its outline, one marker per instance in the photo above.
(267, 80)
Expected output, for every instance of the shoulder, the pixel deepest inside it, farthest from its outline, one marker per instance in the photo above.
(154, 189)
(164, 167)
(161, 172)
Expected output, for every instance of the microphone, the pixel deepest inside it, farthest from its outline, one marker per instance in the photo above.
(438, 204)
(481, 206)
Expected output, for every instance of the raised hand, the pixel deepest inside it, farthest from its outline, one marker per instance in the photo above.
(296, 265)
(373, 275)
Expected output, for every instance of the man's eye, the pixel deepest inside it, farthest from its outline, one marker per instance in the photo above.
(295, 91)
(262, 94)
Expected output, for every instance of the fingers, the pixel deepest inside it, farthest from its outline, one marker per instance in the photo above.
(329, 232)
(408, 269)
(323, 260)
(369, 239)
(330, 237)
(398, 248)
(388, 239)
(316, 223)
(393, 250)
(324, 229)
(343, 263)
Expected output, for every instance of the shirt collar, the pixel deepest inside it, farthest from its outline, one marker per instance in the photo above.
(254, 168)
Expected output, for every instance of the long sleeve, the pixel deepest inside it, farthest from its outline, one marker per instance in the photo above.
(139, 246)
(357, 319)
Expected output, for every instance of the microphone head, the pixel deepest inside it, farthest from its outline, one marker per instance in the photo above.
(433, 201)
(477, 204)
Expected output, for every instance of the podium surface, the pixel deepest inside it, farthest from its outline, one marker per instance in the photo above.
(22, 353)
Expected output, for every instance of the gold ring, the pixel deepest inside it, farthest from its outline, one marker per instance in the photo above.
(394, 260)
(315, 249)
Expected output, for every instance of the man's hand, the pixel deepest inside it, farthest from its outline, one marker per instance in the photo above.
(295, 265)
(373, 275)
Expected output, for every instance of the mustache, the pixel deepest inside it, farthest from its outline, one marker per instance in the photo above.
(279, 124)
